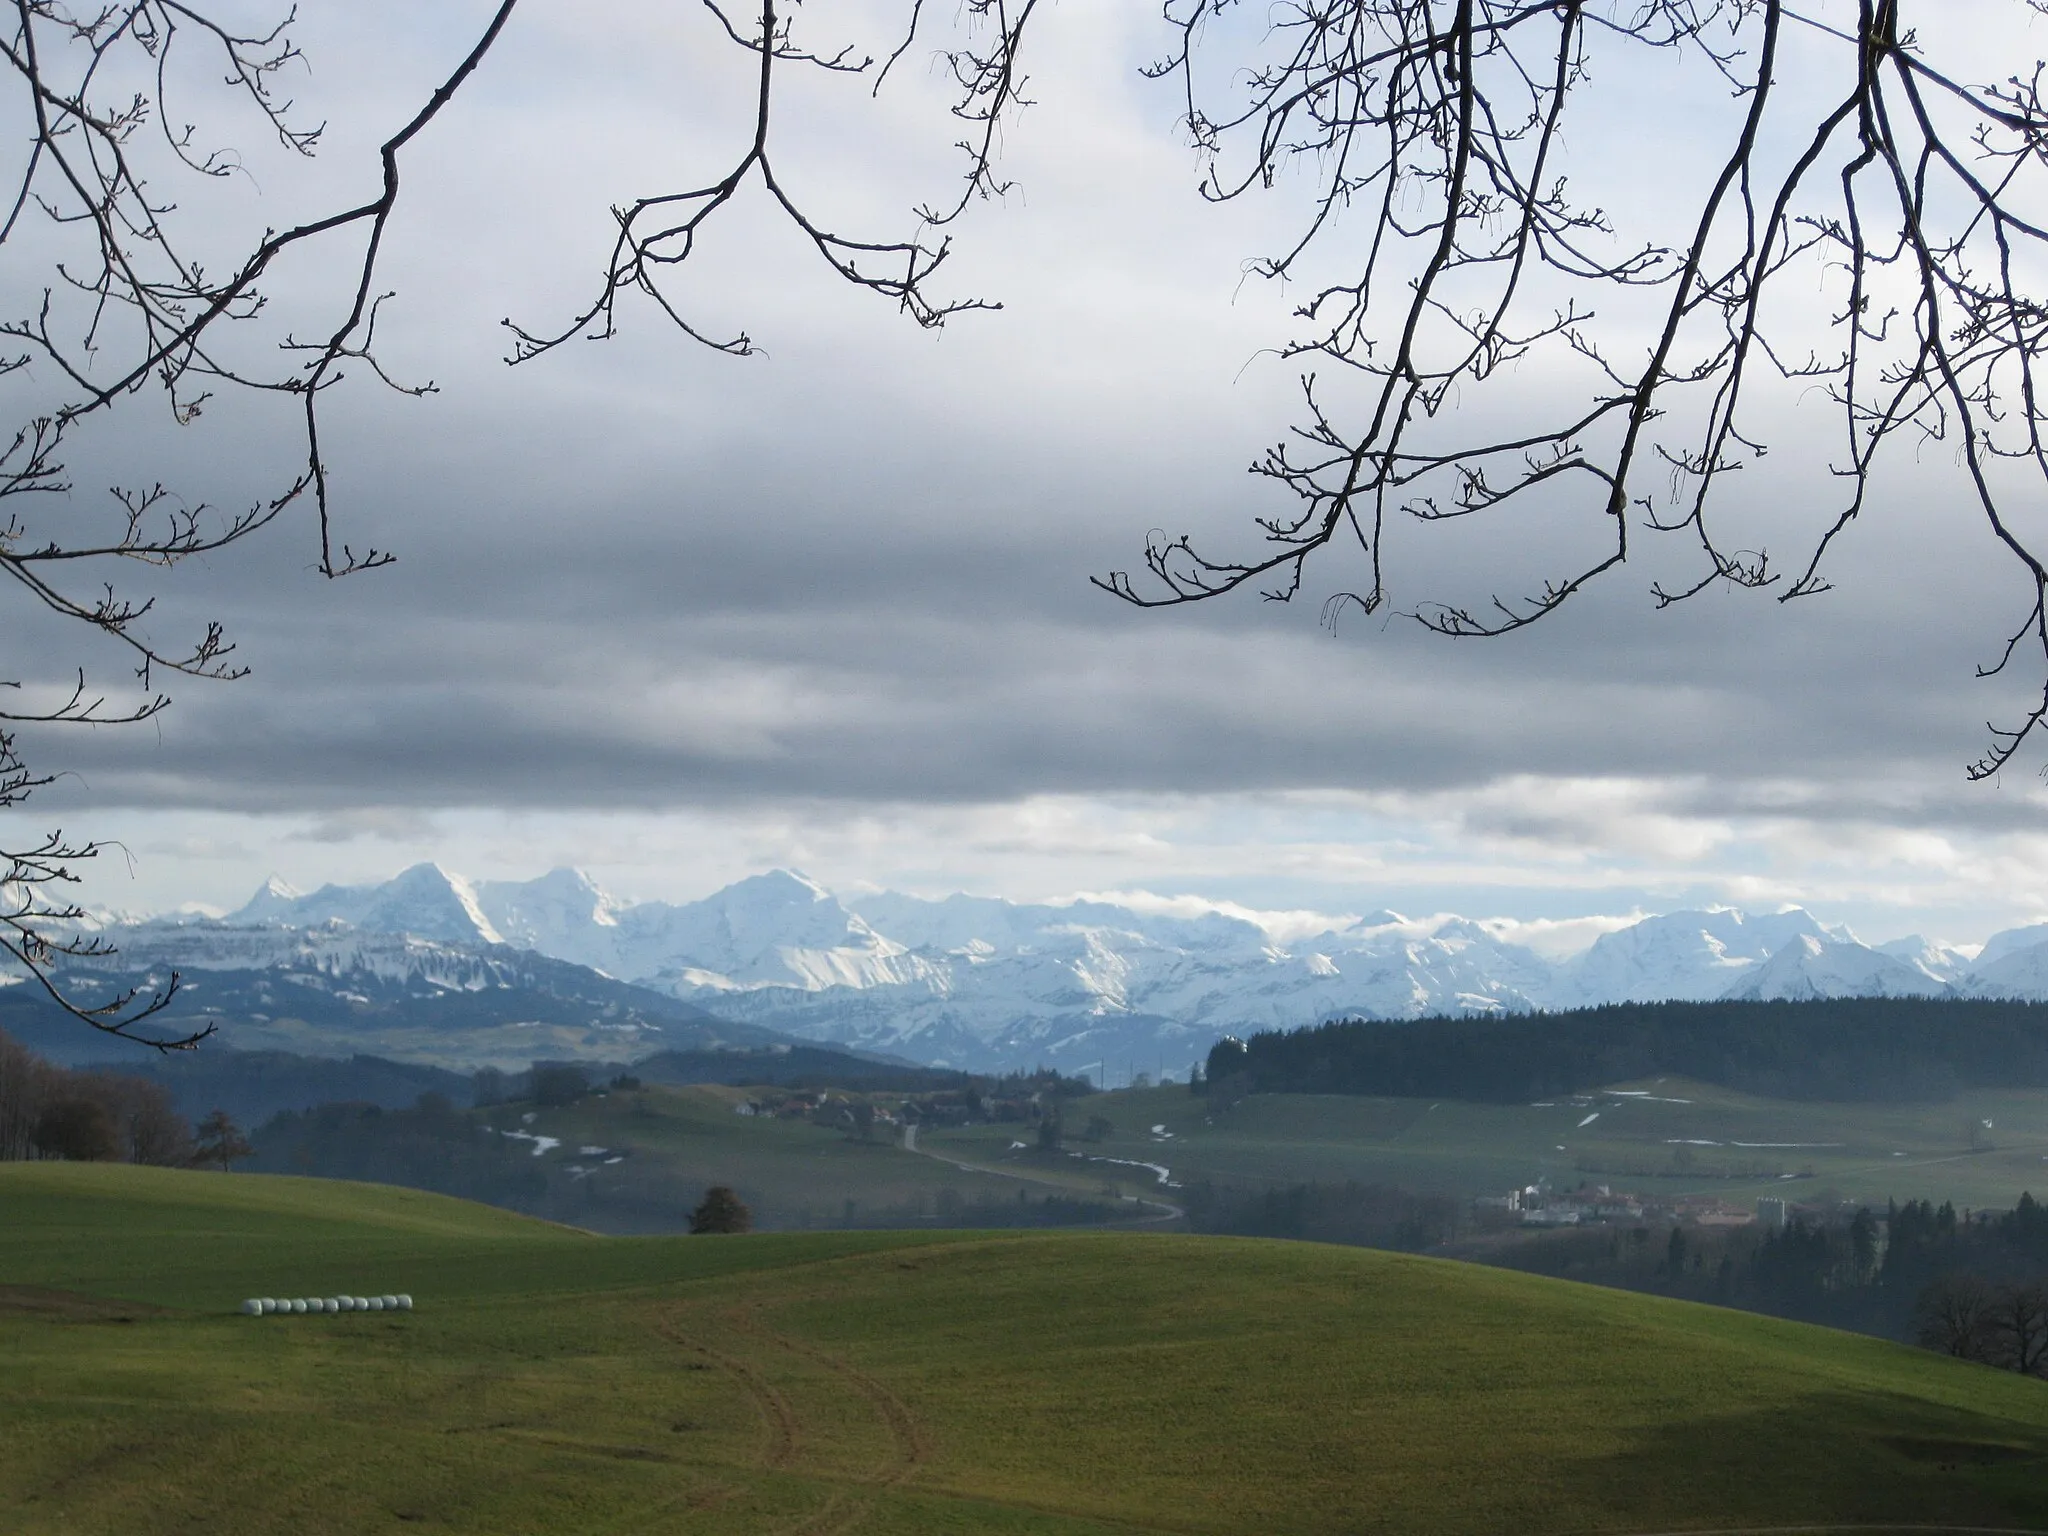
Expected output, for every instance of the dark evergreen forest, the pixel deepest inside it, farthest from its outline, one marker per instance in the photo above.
(1848, 1049)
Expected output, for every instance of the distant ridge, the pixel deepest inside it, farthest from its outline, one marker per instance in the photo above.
(1105, 987)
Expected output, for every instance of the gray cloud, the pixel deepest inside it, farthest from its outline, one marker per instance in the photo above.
(638, 577)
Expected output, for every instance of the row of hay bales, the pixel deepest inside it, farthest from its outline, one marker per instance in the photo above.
(264, 1306)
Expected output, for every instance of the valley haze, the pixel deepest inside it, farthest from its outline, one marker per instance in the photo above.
(1106, 987)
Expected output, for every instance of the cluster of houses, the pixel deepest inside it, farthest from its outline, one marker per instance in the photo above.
(1540, 1205)
(824, 1106)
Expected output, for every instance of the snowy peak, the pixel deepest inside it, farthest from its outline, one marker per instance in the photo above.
(1681, 955)
(989, 983)
(1941, 963)
(272, 903)
(2010, 942)
(1811, 967)
(777, 929)
(958, 924)
(425, 901)
(563, 913)
(429, 901)
(2010, 972)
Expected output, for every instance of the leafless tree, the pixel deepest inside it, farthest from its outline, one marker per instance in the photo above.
(2017, 1327)
(129, 307)
(1869, 231)
(48, 1111)
(23, 1077)
(1953, 1316)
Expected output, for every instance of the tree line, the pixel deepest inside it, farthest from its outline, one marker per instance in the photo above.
(61, 1113)
(1973, 1284)
(1845, 1049)
(432, 1145)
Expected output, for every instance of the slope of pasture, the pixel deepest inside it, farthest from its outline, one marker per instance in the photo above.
(1071, 1383)
(1668, 1137)
(792, 1174)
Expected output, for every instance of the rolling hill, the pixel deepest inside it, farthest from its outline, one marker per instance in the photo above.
(551, 1381)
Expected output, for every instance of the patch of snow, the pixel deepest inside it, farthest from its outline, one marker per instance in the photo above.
(1165, 1175)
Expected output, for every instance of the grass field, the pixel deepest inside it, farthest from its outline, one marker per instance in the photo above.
(1669, 1137)
(914, 1382)
(792, 1174)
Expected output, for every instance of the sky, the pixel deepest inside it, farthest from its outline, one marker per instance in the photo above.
(675, 617)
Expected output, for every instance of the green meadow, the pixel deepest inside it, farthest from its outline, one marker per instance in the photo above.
(1666, 1137)
(794, 1175)
(551, 1381)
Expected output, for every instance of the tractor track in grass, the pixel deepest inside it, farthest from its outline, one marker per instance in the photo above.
(778, 1416)
(911, 1446)
(848, 1506)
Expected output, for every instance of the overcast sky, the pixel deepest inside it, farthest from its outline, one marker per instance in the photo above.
(675, 617)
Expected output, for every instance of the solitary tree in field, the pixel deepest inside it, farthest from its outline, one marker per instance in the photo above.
(1051, 1127)
(721, 1211)
(220, 1142)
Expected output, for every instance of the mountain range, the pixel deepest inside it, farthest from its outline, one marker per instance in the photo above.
(987, 984)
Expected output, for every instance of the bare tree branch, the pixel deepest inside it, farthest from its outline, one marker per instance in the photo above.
(1432, 133)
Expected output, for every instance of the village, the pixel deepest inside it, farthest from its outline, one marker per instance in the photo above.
(1540, 1205)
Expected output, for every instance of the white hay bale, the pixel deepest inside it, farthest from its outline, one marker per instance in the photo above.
(390, 1302)
(252, 1308)
(375, 1303)
(331, 1304)
(298, 1306)
(404, 1302)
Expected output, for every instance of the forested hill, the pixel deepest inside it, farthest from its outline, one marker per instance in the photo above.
(1902, 1049)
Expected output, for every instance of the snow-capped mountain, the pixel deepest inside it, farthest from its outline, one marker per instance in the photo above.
(1810, 967)
(1688, 955)
(330, 989)
(425, 901)
(1069, 985)
(767, 930)
(986, 983)
(1943, 963)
